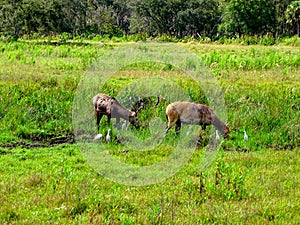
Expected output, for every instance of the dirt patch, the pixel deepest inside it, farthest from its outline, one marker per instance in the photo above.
(35, 143)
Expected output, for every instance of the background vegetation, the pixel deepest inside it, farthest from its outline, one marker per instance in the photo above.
(252, 182)
(178, 18)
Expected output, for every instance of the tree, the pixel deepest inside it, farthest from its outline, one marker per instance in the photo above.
(199, 18)
(179, 17)
(121, 13)
(281, 6)
(293, 15)
(11, 18)
(252, 17)
(157, 16)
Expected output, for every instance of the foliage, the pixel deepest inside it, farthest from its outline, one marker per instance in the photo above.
(179, 18)
(46, 17)
(39, 112)
(256, 17)
(293, 15)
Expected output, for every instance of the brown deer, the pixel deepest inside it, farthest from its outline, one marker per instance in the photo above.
(109, 106)
(192, 113)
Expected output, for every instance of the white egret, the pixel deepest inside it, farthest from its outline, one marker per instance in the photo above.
(98, 137)
(217, 135)
(108, 136)
(245, 136)
(124, 125)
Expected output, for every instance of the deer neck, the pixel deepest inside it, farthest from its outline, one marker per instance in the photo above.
(218, 124)
(121, 112)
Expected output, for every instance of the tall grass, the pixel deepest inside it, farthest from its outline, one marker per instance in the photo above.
(269, 112)
(261, 87)
(248, 58)
(56, 185)
(36, 111)
(64, 38)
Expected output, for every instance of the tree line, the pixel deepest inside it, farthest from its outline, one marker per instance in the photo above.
(180, 18)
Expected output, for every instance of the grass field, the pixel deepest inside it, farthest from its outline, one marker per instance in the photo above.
(45, 178)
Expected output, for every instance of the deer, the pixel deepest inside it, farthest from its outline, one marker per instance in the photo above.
(193, 113)
(109, 106)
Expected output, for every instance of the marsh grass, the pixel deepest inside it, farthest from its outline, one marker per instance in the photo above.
(260, 86)
(36, 110)
(240, 57)
(56, 184)
(248, 182)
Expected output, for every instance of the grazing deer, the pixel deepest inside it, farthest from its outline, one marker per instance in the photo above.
(109, 106)
(192, 113)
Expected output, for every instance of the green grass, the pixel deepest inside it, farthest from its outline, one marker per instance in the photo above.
(261, 82)
(56, 185)
(252, 182)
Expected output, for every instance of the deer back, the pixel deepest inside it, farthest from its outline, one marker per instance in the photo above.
(103, 103)
(190, 113)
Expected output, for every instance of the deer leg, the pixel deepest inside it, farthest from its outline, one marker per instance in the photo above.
(158, 100)
(172, 118)
(167, 129)
(170, 124)
(178, 126)
(108, 119)
(118, 122)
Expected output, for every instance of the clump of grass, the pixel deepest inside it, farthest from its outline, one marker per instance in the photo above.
(252, 58)
(269, 113)
(37, 110)
(221, 180)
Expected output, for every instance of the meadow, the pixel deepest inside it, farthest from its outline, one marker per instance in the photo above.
(45, 178)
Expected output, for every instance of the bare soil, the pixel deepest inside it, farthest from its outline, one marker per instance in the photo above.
(35, 143)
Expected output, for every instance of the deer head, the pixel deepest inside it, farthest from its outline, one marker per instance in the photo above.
(134, 120)
(226, 131)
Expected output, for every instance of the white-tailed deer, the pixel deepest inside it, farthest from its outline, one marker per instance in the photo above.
(192, 113)
(109, 106)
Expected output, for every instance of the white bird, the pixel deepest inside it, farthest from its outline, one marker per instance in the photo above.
(245, 136)
(108, 136)
(98, 137)
(217, 135)
(124, 125)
